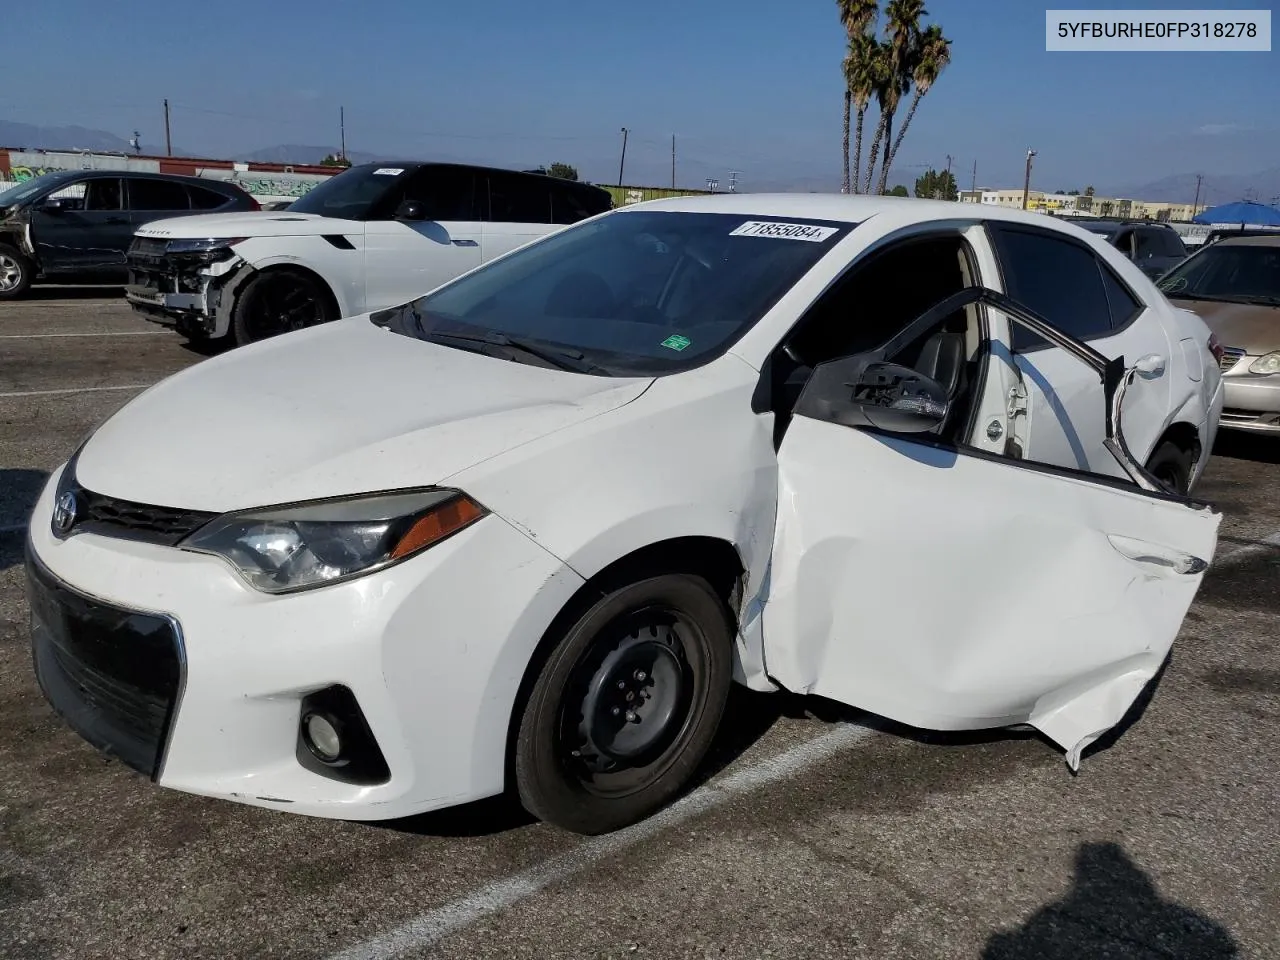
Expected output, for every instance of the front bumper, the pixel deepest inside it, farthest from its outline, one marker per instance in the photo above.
(433, 649)
(182, 292)
(1251, 403)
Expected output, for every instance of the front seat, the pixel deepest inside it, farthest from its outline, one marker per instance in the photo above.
(942, 358)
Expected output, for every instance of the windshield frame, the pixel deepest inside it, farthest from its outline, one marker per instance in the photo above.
(415, 318)
(374, 208)
(27, 190)
(1195, 261)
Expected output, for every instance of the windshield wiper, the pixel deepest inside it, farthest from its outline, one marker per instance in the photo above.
(561, 359)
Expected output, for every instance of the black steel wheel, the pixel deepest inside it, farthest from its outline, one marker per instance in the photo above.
(626, 705)
(279, 301)
(16, 273)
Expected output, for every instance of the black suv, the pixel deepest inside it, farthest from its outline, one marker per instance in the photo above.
(1154, 246)
(76, 225)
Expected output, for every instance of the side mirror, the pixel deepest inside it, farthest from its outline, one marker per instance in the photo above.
(54, 205)
(411, 210)
(863, 392)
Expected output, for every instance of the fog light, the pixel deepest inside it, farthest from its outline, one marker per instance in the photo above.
(323, 735)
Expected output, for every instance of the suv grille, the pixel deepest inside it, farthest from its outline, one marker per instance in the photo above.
(1230, 357)
(149, 247)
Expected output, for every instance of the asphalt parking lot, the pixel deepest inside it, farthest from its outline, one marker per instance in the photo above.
(819, 833)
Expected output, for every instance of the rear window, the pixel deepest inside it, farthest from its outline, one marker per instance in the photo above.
(202, 199)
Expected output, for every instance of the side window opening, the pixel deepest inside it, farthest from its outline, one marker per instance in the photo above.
(446, 193)
(156, 195)
(202, 199)
(1038, 269)
(517, 199)
(870, 304)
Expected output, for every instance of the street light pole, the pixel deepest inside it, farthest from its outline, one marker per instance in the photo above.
(1026, 183)
(623, 162)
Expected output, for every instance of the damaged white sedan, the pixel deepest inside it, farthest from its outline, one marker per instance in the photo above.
(524, 531)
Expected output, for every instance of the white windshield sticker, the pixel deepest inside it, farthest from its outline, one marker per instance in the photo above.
(784, 231)
(388, 171)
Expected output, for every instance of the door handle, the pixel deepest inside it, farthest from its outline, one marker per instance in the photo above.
(465, 243)
(116, 220)
(1151, 367)
(1159, 559)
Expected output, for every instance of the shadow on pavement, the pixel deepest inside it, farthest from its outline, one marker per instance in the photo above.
(19, 490)
(1247, 446)
(1113, 910)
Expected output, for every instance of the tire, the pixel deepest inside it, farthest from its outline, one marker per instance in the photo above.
(579, 765)
(279, 301)
(16, 273)
(1171, 465)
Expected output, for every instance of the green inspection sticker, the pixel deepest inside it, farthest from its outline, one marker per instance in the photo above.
(676, 342)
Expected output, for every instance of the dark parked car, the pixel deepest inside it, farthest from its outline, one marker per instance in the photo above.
(1155, 247)
(76, 225)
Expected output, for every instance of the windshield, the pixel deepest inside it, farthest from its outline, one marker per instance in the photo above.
(18, 192)
(350, 195)
(636, 293)
(1239, 272)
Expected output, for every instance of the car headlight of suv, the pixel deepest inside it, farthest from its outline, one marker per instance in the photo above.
(1264, 366)
(282, 549)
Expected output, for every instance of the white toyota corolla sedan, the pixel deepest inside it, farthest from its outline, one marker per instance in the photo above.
(927, 459)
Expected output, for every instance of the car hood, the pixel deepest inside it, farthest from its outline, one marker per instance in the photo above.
(1253, 327)
(260, 223)
(344, 408)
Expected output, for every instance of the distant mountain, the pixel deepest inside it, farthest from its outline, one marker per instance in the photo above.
(1262, 186)
(35, 137)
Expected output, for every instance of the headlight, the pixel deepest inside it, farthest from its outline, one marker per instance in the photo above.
(1264, 366)
(202, 245)
(279, 550)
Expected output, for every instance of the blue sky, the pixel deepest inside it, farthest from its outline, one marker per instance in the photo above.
(752, 86)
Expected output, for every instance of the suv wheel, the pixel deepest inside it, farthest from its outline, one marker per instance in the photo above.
(279, 301)
(16, 273)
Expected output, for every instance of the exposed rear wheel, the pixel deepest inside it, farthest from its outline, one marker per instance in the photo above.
(626, 706)
(16, 273)
(279, 301)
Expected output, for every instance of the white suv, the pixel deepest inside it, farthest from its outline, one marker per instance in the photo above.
(376, 235)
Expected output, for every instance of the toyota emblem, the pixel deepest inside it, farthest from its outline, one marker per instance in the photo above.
(64, 513)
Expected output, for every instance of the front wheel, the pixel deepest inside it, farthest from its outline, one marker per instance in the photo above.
(1171, 465)
(626, 706)
(279, 301)
(16, 273)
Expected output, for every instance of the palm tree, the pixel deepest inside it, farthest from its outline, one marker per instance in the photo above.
(903, 26)
(855, 16)
(860, 85)
(930, 60)
(879, 72)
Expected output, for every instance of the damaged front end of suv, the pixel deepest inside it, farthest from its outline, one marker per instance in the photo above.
(187, 283)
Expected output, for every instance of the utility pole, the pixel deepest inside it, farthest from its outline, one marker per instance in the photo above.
(673, 161)
(946, 183)
(733, 181)
(168, 144)
(1026, 183)
(1195, 204)
(623, 162)
(973, 187)
(342, 130)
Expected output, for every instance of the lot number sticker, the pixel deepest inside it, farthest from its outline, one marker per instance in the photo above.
(388, 171)
(783, 231)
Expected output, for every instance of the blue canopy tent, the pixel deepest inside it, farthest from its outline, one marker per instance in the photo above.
(1244, 212)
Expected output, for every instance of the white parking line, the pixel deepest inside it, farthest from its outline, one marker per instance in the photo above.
(112, 333)
(53, 393)
(436, 924)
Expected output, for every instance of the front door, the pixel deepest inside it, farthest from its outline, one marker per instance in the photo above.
(406, 258)
(951, 588)
(88, 233)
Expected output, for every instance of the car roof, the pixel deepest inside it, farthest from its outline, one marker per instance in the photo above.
(57, 175)
(1258, 240)
(1125, 222)
(417, 164)
(844, 208)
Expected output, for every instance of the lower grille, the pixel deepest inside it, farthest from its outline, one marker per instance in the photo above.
(113, 674)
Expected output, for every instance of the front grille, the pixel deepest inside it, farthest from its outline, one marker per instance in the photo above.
(125, 519)
(138, 521)
(112, 673)
(1230, 357)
